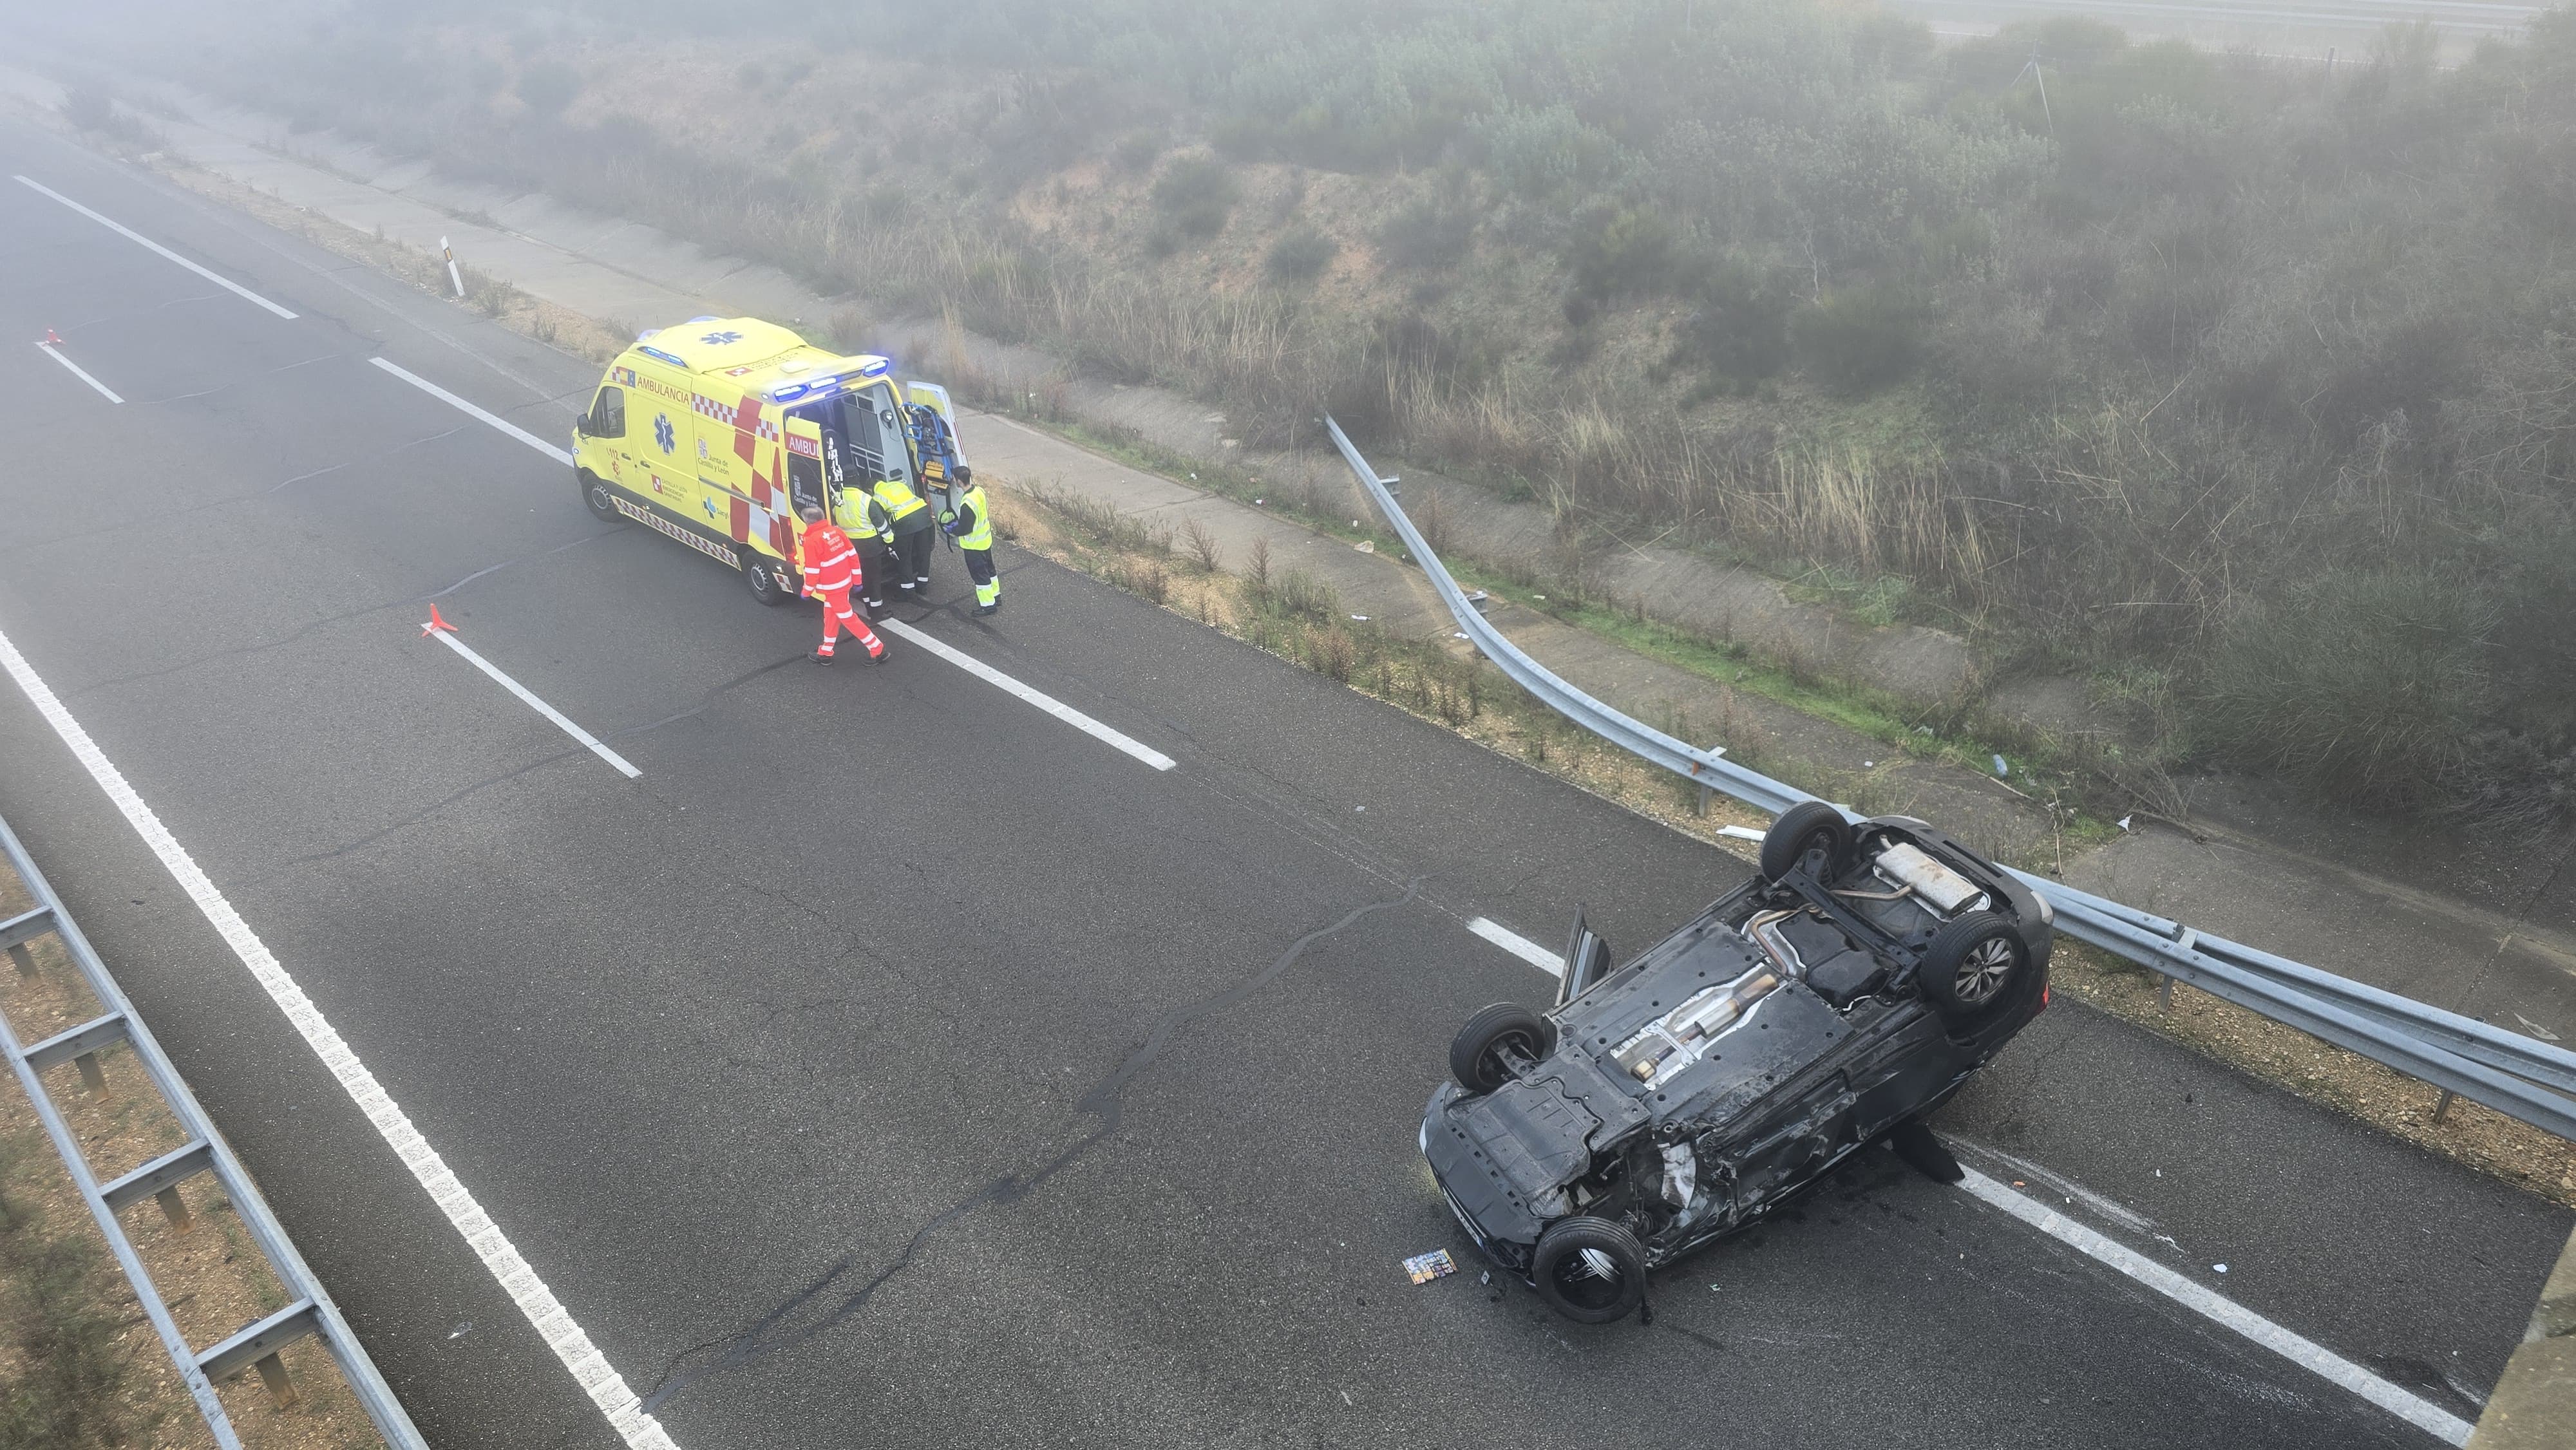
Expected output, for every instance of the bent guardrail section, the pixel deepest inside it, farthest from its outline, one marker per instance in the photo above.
(2516, 1075)
(309, 1310)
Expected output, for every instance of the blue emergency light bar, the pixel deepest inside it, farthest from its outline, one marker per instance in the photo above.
(875, 367)
(660, 356)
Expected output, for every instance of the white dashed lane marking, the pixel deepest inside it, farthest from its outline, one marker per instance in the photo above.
(139, 239)
(56, 354)
(589, 1368)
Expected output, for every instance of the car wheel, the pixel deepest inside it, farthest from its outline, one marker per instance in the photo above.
(1479, 1056)
(1590, 1270)
(1974, 965)
(1803, 828)
(596, 497)
(760, 573)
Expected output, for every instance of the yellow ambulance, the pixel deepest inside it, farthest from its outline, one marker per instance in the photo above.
(718, 431)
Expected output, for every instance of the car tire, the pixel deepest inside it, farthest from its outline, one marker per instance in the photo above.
(1803, 828)
(1476, 1053)
(597, 497)
(1590, 1270)
(1974, 965)
(760, 573)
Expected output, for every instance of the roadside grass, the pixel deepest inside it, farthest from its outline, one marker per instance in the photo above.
(1295, 619)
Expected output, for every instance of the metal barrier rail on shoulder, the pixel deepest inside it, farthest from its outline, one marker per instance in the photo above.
(2519, 1076)
(309, 1310)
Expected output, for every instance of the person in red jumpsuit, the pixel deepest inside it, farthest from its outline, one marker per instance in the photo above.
(831, 567)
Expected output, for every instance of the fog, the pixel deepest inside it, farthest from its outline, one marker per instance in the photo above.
(2242, 387)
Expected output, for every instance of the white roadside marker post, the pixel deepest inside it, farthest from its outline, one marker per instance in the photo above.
(449, 253)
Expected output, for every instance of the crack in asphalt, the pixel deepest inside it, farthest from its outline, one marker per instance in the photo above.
(415, 818)
(780, 1329)
(706, 701)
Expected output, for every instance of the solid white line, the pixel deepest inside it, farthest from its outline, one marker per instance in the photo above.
(134, 236)
(57, 355)
(504, 424)
(1046, 702)
(1518, 945)
(589, 1368)
(540, 706)
(2303, 1352)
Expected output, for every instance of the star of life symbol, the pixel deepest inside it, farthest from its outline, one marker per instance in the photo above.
(664, 434)
(719, 339)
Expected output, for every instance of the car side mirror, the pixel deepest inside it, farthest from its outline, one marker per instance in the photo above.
(581, 426)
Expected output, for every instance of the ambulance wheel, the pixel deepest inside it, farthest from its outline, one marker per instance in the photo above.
(596, 497)
(760, 572)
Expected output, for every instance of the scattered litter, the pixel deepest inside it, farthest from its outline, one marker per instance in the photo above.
(1362, 618)
(2168, 1239)
(1541, 598)
(2124, 822)
(2017, 1183)
(2221, 1268)
(1366, 546)
(1457, 634)
(2535, 1029)
(1355, 523)
(1869, 765)
(2000, 767)
(1258, 501)
(1346, 1399)
(1741, 833)
(462, 1329)
(1922, 729)
(1426, 1267)
(1359, 808)
(1486, 1277)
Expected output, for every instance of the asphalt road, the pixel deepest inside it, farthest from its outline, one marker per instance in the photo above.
(891, 1063)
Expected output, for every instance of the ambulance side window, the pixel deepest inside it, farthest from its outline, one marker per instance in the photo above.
(607, 414)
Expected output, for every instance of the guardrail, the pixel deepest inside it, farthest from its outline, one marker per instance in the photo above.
(309, 1310)
(2516, 1075)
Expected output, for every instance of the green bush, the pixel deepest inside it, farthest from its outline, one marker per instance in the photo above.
(1738, 325)
(1861, 339)
(1137, 152)
(1300, 254)
(548, 86)
(1195, 194)
(2364, 686)
(67, 1386)
(1427, 233)
(1622, 252)
(89, 108)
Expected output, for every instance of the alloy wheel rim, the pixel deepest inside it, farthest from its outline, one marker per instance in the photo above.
(1987, 964)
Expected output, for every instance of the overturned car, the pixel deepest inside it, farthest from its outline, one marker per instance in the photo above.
(1834, 1000)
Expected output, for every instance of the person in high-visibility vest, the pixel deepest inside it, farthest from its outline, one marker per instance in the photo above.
(831, 565)
(906, 532)
(971, 525)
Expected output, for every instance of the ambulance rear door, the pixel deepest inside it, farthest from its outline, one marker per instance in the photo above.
(937, 397)
(880, 446)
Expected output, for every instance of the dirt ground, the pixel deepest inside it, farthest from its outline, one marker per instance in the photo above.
(212, 1276)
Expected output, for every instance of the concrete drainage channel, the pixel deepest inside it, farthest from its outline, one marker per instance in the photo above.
(133, 1114)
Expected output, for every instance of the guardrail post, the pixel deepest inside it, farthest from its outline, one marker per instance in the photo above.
(25, 959)
(2164, 995)
(272, 1373)
(2442, 1105)
(175, 1209)
(91, 1077)
(1704, 793)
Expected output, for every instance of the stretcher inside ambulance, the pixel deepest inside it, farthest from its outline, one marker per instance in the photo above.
(716, 433)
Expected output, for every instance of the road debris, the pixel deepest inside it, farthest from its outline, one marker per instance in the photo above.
(1423, 1268)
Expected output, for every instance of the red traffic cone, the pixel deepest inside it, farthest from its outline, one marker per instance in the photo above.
(435, 623)
(52, 339)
